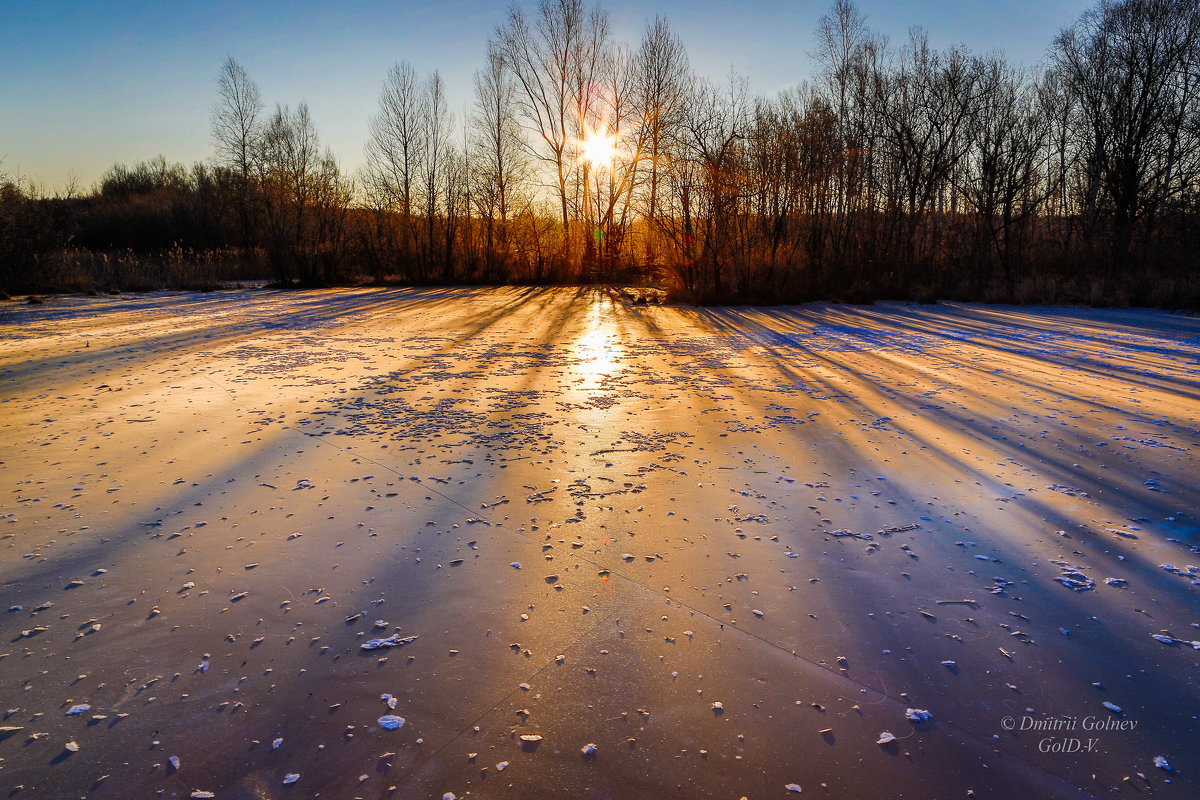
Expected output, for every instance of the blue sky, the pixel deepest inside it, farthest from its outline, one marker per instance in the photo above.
(85, 84)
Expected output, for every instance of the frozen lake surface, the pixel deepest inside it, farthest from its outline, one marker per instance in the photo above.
(541, 543)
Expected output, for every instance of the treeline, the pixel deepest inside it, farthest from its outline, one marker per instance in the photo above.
(900, 171)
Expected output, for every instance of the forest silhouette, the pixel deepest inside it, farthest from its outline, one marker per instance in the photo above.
(900, 171)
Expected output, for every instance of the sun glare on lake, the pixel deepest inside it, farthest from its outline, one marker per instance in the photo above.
(595, 350)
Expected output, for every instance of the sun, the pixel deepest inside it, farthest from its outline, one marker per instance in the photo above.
(598, 149)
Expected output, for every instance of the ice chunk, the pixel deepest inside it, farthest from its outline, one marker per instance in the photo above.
(291, 777)
(394, 640)
(917, 714)
(886, 737)
(1161, 763)
(75, 711)
(1113, 707)
(391, 722)
(793, 787)
(588, 749)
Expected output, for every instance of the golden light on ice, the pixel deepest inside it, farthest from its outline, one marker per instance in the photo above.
(595, 351)
(598, 149)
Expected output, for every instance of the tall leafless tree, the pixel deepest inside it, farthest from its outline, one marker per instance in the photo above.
(552, 58)
(843, 47)
(499, 160)
(922, 102)
(291, 173)
(395, 149)
(236, 131)
(1131, 68)
(1003, 179)
(438, 127)
(661, 72)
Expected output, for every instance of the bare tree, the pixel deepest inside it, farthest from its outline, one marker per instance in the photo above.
(1130, 66)
(290, 167)
(498, 157)
(614, 183)
(236, 132)
(438, 126)
(922, 103)
(552, 58)
(1003, 176)
(395, 151)
(661, 72)
(454, 238)
(843, 52)
(713, 137)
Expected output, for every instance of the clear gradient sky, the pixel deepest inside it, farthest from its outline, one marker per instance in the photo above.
(86, 84)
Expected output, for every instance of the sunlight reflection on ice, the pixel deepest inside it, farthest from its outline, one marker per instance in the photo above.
(595, 349)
